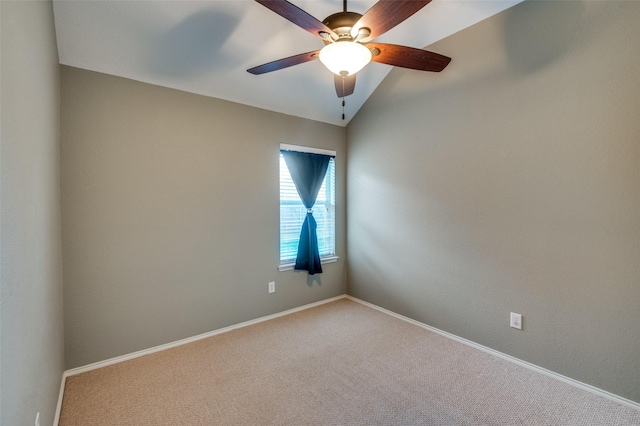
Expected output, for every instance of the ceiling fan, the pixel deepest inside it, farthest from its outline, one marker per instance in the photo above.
(347, 37)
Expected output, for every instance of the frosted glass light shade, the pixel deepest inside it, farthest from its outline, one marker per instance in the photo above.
(345, 57)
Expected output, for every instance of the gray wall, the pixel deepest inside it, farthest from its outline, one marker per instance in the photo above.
(32, 358)
(510, 182)
(170, 214)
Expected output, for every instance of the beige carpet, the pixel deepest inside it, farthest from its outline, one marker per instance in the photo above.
(341, 363)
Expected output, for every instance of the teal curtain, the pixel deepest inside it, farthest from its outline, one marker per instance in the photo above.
(307, 172)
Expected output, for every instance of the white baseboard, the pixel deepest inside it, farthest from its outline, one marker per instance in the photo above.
(533, 367)
(56, 419)
(525, 364)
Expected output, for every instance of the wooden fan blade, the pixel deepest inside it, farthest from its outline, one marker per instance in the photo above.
(298, 16)
(408, 57)
(385, 15)
(344, 85)
(284, 63)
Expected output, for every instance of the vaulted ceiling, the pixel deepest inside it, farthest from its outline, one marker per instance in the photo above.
(206, 46)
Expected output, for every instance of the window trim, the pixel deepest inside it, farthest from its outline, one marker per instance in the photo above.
(323, 260)
(289, 147)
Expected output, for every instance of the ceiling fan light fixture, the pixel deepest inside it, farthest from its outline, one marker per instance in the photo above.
(345, 58)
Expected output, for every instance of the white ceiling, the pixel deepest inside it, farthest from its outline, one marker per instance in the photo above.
(206, 46)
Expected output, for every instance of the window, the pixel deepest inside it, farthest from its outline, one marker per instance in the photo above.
(293, 213)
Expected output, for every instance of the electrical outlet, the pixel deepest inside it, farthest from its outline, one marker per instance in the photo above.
(38, 419)
(272, 287)
(516, 321)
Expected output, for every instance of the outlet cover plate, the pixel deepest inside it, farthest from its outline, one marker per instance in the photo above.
(516, 321)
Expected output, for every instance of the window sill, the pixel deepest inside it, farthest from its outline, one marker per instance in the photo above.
(290, 266)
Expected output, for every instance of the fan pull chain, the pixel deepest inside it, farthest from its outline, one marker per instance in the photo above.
(343, 79)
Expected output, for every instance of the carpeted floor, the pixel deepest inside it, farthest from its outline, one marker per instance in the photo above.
(341, 363)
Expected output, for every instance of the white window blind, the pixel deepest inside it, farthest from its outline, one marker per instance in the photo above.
(293, 213)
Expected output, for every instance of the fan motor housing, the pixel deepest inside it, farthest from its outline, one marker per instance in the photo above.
(342, 22)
